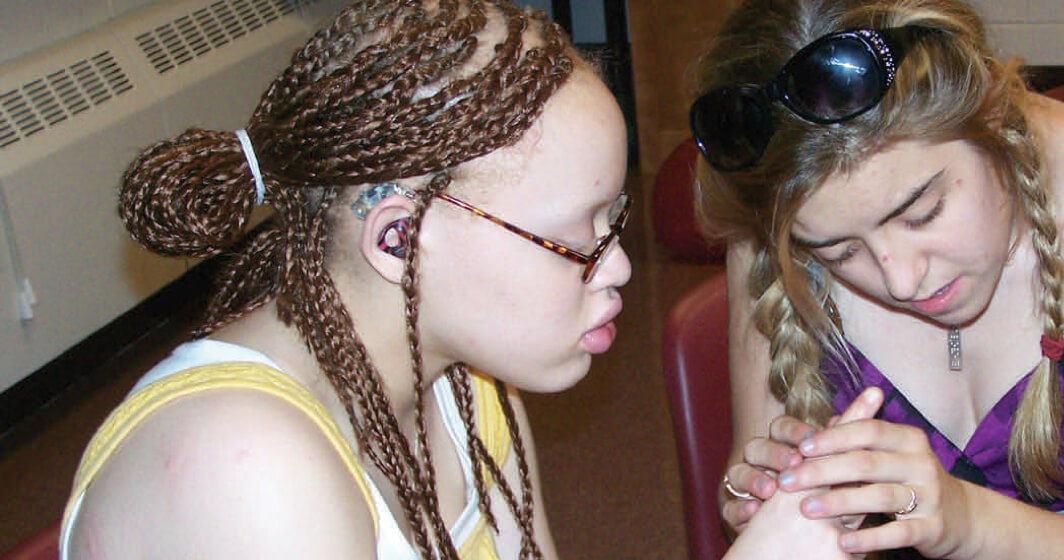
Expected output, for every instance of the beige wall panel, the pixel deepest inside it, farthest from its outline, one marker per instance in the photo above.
(667, 37)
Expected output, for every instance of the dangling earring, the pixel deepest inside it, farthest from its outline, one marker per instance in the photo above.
(392, 239)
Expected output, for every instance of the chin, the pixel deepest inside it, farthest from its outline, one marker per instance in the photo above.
(555, 379)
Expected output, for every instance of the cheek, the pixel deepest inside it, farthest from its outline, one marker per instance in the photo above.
(864, 279)
(505, 284)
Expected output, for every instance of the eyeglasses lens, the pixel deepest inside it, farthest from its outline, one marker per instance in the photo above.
(839, 79)
(618, 218)
(732, 126)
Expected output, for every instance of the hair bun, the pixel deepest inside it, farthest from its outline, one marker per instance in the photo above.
(188, 196)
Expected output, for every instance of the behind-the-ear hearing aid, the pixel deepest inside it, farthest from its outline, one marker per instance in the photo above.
(393, 238)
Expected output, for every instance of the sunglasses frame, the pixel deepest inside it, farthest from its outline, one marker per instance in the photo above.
(887, 48)
(590, 262)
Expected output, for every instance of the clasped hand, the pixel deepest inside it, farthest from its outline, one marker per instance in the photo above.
(862, 466)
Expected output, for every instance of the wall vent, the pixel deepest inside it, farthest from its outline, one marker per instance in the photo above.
(179, 41)
(53, 98)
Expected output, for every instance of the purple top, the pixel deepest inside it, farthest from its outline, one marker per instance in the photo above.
(984, 459)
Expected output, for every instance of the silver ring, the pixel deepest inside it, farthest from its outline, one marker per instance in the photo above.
(737, 494)
(912, 503)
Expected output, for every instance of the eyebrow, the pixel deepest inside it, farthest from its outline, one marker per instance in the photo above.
(900, 209)
(914, 195)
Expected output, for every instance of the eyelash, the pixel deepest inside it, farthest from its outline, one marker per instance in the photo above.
(927, 218)
(850, 251)
(915, 223)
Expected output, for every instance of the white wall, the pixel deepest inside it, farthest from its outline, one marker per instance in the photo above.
(1030, 29)
(27, 25)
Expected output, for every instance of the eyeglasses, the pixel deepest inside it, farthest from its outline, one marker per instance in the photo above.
(833, 79)
(618, 218)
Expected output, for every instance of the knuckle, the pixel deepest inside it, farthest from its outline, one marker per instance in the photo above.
(750, 449)
(885, 496)
(864, 462)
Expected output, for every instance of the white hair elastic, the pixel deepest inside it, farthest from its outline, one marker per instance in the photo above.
(253, 164)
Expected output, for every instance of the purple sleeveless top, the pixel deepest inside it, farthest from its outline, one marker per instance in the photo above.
(984, 459)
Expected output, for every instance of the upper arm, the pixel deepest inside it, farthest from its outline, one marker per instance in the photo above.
(753, 405)
(225, 474)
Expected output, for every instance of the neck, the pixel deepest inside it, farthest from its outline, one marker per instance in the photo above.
(385, 342)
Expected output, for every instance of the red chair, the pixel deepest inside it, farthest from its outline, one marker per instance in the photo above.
(695, 363)
(672, 209)
(1056, 93)
(42, 545)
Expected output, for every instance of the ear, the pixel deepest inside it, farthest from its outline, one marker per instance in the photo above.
(384, 236)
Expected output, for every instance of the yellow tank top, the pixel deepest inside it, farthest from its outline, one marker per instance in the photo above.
(123, 420)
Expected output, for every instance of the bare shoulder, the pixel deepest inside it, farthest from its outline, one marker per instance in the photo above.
(230, 473)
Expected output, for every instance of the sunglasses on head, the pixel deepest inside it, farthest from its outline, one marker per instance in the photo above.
(833, 79)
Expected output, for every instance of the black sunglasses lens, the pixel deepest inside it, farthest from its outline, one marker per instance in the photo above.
(836, 80)
(732, 126)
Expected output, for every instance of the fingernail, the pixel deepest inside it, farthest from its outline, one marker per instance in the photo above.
(807, 446)
(759, 485)
(786, 479)
(848, 542)
(814, 506)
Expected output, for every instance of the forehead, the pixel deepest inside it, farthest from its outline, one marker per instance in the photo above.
(577, 145)
(863, 196)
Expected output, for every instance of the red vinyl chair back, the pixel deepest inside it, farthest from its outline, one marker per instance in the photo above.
(42, 545)
(1056, 93)
(695, 363)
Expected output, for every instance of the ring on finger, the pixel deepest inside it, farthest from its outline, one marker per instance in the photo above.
(913, 501)
(736, 493)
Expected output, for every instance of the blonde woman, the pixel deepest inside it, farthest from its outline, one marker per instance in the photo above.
(892, 194)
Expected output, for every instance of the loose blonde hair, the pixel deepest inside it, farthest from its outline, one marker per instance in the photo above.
(949, 87)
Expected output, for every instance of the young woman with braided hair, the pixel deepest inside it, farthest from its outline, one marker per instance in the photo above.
(447, 185)
(892, 195)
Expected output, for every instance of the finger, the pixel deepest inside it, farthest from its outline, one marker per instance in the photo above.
(864, 434)
(737, 513)
(865, 406)
(746, 478)
(896, 534)
(888, 498)
(789, 430)
(850, 467)
(771, 455)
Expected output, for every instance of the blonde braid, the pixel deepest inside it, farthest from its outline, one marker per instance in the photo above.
(1034, 442)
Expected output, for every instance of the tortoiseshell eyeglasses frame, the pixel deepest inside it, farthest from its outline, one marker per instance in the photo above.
(590, 262)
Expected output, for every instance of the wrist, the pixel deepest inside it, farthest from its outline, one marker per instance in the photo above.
(962, 540)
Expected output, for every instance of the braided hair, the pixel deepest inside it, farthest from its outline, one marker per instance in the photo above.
(949, 87)
(391, 89)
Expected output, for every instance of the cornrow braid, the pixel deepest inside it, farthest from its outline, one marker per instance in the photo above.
(390, 90)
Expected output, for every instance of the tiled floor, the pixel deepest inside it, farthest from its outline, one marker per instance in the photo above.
(605, 446)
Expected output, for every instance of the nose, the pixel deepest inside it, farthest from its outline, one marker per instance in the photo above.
(615, 270)
(903, 269)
